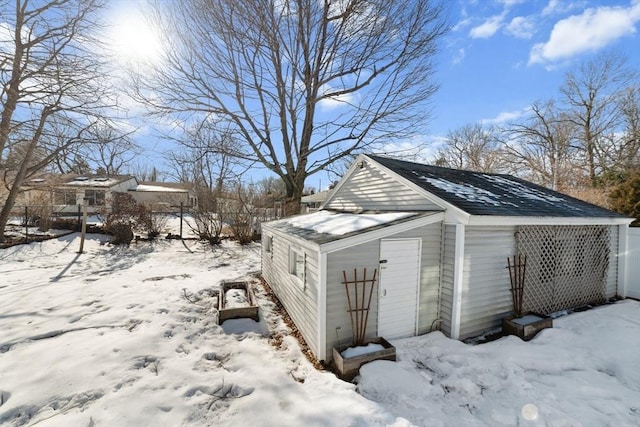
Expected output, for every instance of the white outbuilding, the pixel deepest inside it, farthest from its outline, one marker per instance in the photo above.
(438, 240)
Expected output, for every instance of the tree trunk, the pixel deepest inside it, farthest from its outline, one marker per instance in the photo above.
(6, 211)
(294, 187)
(20, 176)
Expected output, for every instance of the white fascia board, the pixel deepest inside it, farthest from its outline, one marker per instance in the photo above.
(453, 211)
(543, 220)
(322, 306)
(311, 246)
(380, 233)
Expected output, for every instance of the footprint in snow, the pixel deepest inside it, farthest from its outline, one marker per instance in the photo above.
(29, 414)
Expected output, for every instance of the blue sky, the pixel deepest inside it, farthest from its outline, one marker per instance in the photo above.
(499, 57)
(502, 55)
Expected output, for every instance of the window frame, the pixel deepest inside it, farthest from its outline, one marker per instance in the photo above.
(297, 263)
(268, 245)
(95, 197)
(67, 197)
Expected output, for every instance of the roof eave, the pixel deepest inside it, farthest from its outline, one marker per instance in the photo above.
(379, 233)
(545, 220)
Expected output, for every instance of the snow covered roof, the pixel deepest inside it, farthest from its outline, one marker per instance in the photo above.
(105, 181)
(159, 187)
(492, 194)
(326, 226)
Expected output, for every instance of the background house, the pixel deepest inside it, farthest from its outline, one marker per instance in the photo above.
(312, 202)
(439, 239)
(165, 196)
(62, 193)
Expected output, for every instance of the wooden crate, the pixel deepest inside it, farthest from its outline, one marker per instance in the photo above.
(250, 311)
(524, 329)
(348, 368)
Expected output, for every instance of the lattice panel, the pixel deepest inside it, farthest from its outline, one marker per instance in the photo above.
(566, 265)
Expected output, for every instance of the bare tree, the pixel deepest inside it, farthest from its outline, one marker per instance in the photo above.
(52, 94)
(591, 93)
(209, 156)
(628, 153)
(110, 151)
(303, 83)
(472, 147)
(542, 146)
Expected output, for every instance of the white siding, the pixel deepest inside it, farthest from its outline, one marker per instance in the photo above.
(339, 332)
(486, 298)
(368, 255)
(371, 189)
(154, 198)
(446, 286)
(298, 298)
(633, 263)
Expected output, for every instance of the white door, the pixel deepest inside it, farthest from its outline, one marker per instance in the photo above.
(398, 290)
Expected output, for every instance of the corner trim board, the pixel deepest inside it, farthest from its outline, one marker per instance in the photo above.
(458, 273)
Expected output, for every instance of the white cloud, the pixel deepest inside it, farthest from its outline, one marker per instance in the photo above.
(333, 102)
(509, 3)
(488, 28)
(461, 25)
(589, 31)
(521, 27)
(552, 7)
(506, 117)
(420, 148)
(459, 56)
(559, 6)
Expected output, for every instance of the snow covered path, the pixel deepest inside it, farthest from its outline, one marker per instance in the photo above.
(127, 337)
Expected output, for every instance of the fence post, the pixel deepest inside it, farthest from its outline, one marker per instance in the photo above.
(181, 213)
(26, 222)
(84, 225)
(79, 226)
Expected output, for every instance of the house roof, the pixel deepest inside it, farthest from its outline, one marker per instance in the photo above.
(328, 226)
(165, 187)
(46, 180)
(105, 181)
(318, 197)
(492, 194)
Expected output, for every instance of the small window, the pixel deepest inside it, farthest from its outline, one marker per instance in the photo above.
(66, 198)
(296, 263)
(95, 197)
(268, 244)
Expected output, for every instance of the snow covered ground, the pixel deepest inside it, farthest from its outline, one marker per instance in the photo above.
(121, 336)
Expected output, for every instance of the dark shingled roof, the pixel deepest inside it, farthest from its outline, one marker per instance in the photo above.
(493, 194)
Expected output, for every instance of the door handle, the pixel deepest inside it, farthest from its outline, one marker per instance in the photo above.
(383, 261)
(384, 292)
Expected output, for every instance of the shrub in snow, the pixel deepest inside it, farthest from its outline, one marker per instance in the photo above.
(122, 233)
(126, 218)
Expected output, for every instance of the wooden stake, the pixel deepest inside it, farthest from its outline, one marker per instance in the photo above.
(84, 225)
(366, 320)
(346, 287)
(355, 333)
